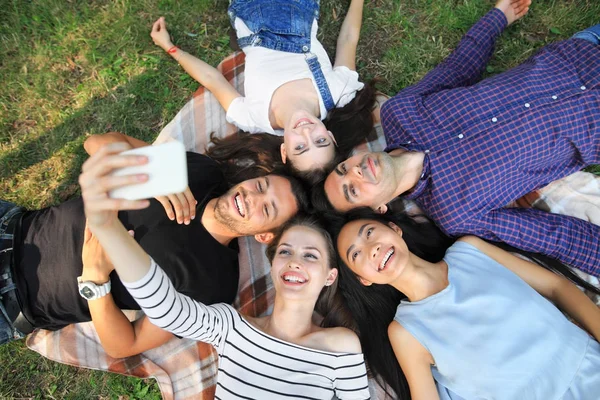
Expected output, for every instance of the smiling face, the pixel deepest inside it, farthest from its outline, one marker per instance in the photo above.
(300, 266)
(363, 180)
(373, 251)
(307, 143)
(257, 205)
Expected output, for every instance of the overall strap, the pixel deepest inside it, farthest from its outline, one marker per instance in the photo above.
(315, 68)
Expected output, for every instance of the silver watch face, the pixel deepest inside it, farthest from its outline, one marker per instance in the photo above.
(86, 292)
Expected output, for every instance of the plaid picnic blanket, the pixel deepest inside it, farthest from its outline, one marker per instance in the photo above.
(186, 369)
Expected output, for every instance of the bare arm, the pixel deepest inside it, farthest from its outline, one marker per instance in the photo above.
(179, 206)
(554, 287)
(206, 75)
(345, 54)
(94, 142)
(119, 337)
(415, 362)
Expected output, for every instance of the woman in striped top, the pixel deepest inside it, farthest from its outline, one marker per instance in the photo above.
(280, 356)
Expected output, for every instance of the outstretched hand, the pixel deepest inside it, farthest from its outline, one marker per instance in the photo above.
(160, 35)
(513, 9)
(96, 183)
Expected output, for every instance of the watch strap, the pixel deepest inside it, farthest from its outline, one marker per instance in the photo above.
(97, 291)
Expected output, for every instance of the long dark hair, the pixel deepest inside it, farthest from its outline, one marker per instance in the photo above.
(245, 156)
(373, 308)
(352, 123)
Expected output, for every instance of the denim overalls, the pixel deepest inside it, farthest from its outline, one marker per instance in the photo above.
(283, 25)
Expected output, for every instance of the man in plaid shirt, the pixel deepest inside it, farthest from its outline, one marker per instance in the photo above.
(464, 150)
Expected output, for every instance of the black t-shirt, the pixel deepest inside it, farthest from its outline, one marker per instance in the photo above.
(48, 253)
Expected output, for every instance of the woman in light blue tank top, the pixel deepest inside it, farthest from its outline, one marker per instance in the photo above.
(474, 323)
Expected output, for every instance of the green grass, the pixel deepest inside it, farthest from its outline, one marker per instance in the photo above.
(69, 69)
(24, 374)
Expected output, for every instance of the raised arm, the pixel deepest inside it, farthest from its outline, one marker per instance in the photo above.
(119, 337)
(568, 239)
(415, 362)
(146, 282)
(206, 75)
(345, 54)
(178, 206)
(468, 61)
(556, 288)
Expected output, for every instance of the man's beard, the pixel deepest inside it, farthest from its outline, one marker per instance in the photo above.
(225, 218)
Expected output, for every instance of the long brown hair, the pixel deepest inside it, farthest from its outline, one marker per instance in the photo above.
(245, 156)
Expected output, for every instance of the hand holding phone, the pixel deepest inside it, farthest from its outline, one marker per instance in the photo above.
(166, 169)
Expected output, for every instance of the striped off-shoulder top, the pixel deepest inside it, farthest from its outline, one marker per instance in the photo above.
(252, 364)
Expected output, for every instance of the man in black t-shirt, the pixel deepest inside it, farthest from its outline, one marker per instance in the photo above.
(200, 258)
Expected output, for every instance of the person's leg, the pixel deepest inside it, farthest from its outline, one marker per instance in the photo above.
(9, 306)
(591, 34)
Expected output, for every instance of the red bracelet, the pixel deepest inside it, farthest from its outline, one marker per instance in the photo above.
(172, 50)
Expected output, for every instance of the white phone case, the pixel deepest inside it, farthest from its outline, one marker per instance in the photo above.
(166, 170)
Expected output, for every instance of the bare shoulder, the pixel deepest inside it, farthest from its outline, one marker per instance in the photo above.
(341, 340)
(406, 346)
(397, 333)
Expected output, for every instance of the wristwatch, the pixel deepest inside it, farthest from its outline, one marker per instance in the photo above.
(90, 291)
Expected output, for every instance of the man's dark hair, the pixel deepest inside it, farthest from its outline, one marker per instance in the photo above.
(299, 190)
(319, 200)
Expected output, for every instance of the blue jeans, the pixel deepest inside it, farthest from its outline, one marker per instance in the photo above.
(8, 332)
(591, 34)
(283, 25)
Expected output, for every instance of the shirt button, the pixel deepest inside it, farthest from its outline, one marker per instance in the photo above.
(494, 119)
(461, 136)
(527, 105)
(582, 88)
(305, 48)
(426, 151)
(554, 97)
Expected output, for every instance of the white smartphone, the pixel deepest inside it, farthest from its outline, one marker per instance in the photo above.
(166, 170)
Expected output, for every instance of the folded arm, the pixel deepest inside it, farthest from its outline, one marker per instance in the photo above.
(347, 41)
(146, 282)
(119, 337)
(554, 287)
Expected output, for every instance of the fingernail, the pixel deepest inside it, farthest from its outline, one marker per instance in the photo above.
(171, 217)
(187, 222)
(142, 159)
(142, 177)
(193, 216)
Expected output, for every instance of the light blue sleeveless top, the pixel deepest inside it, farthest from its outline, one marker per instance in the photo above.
(492, 336)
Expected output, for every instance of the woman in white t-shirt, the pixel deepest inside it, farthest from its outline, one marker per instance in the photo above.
(290, 84)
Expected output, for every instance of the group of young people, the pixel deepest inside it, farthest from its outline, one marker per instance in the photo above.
(436, 308)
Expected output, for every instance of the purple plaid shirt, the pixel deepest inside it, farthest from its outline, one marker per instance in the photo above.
(491, 142)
